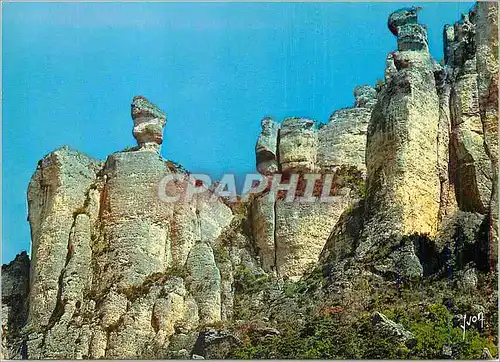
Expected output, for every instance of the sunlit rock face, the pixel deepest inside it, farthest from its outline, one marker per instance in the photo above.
(342, 141)
(289, 236)
(116, 272)
(403, 186)
(471, 55)
(149, 121)
(109, 256)
(266, 149)
(298, 145)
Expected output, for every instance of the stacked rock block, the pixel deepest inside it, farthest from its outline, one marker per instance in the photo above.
(149, 121)
(432, 144)
(299, 145)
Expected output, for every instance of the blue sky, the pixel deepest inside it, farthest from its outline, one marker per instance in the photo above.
(70, 71)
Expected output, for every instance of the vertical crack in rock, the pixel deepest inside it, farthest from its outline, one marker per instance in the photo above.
(465, 57)
(447, 205)
(274, 219)
(68, 175)
(275, 241)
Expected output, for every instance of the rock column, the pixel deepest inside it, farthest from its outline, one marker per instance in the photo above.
(403, 186)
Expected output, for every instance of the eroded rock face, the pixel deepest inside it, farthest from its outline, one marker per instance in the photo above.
(301, 233)
(135, 235)
(474, 168)
(298, 145)
(471, 53)
(56, 193)
(402, 17)
(205, 280)
(411, 35)
(264, 227)
(342, 141)
(111, 258)
(15, 288)
(116, 272)
(290, 236)
(403, 186)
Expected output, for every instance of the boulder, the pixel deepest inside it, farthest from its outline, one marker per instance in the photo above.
(15, 289)
(215, 344)
(389, 328)
(298, 143)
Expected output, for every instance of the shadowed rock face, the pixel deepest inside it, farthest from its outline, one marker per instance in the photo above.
(402, 17)
(149, 121)
(15, 289)
(342, 141)
(472, 57)
(411, 35)
(474, 115)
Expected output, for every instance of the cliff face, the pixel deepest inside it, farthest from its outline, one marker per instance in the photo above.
(115, 272)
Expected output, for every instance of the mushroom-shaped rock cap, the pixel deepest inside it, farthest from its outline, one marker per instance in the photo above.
(149, 121)
(143, 108)
(402, 17)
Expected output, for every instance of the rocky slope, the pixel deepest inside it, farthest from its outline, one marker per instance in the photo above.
(386, 270)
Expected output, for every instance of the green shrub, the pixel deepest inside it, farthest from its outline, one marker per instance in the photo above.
(333, 337)
(247, 281)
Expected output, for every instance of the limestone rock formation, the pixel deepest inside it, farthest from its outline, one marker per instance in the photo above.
(15, 288)
(298, 145)
(56, 195)
(301, 232)
(290, 236)
(388, 327)
(471, 55)
(342, 141)
(149, 121)
(266, 149)
(402, 17)
(108, 252)
(118, 272)
(403, 187)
